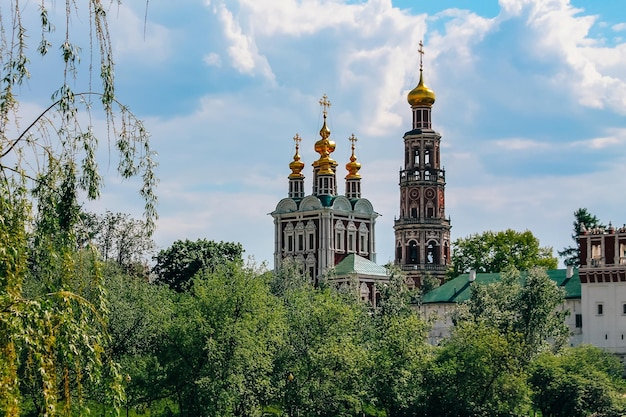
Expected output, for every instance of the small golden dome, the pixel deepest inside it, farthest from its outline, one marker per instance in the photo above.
(421, 96)
(296, 165)
(353, 166)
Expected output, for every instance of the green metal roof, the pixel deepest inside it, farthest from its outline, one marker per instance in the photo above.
(355, 264)
(459, 289)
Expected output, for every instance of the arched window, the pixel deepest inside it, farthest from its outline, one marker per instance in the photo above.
(432, 254)
(413, 253)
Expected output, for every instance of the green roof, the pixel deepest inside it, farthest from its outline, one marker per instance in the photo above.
(355, 264)
(459, 289)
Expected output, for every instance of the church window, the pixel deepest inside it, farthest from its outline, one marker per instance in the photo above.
(427, 157)
(413, 253)
(622, 253)
(351, 237)
(600, 309)
(300, 236)
(363, 239)
(430, 212)
(340, 231)
(431, 254)
(289, 243)
(399, 253)
(311, 241)
(414, 212)
(416, 157)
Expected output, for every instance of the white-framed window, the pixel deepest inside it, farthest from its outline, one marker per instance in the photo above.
(288, 233)
(310, 236)
(300, 237)
(363, 239)
(340, 236)
(352, 237)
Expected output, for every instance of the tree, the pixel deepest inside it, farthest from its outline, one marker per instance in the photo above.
(118, 238)
(476, 372)
(578, 382)
(323, 366)
(56, 334)
(178, 264)
(495, 251)
(219, 350)
(590, 221)
(522, 308)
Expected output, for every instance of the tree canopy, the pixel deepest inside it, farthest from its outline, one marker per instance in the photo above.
(178, 264)
(581, 217)
(496, 251)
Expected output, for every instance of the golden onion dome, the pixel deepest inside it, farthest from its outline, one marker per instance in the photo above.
(325, 147)
(353, 166)
(296, 165)
(421, 96)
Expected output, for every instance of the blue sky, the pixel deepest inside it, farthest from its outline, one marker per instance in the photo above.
(531, 104)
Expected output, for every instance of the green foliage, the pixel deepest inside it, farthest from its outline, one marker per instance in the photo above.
(590, 221)
(325, 353)
(578, 382)
(178, 264)
(522, 309)
(53, 310)
(219, 349)
(400, 359)
(476, 373)
(496, 251)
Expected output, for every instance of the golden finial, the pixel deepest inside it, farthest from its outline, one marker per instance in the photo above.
(353, 166)
(325, 131)
(296, 165)
(421, 96)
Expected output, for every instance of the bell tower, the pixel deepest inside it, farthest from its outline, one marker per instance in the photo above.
(422, 231)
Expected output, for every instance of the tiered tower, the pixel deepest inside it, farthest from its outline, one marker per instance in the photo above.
(422, 231)
(320, 230)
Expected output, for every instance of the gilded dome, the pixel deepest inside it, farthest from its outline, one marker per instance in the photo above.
(296, 165)
(421, 96)
(353, 166)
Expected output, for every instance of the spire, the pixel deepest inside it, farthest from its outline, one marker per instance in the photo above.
(353, 166)
(421, 96)
(296, 165)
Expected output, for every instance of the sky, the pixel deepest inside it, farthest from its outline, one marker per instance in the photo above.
(531, 106)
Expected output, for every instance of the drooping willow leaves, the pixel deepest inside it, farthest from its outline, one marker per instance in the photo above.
(53, 310)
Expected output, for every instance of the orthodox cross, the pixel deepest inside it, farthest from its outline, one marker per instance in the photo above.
(353, 139)
(325, 104)
(421, 52)
(297, 139)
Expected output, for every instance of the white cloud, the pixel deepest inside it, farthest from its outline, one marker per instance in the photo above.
(213, 60)
(620, 27)
(520, 144)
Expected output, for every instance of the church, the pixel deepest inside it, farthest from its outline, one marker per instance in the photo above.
(333, 236)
